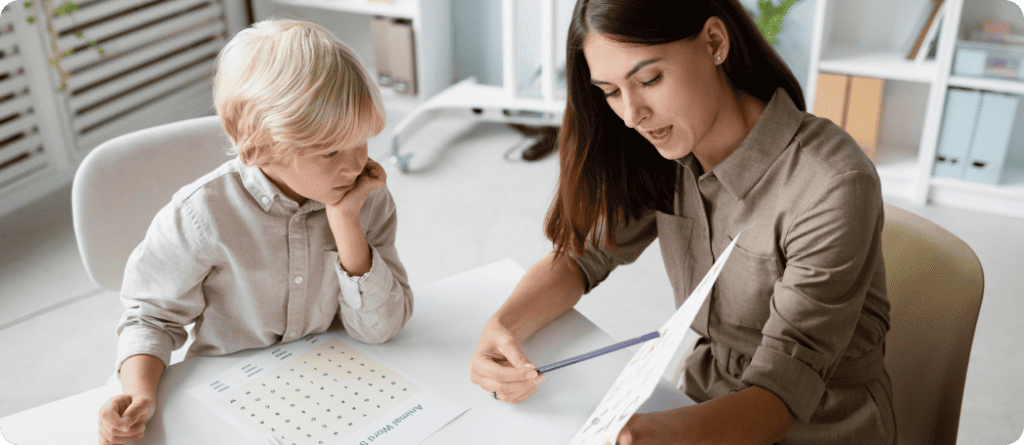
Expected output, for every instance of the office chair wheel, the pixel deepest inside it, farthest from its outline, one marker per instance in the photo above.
(402, 161)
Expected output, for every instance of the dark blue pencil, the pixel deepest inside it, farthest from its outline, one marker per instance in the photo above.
(598, 352)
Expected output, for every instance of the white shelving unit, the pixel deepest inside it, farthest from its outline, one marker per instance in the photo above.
(350, 21)
(522, 98)
(870, 38)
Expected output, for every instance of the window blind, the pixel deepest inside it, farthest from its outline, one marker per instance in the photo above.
(156, 66)
(22, 152)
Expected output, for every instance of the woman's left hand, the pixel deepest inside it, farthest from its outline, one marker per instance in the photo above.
(661, 428)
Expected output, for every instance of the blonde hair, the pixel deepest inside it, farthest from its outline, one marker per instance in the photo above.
(285, 87)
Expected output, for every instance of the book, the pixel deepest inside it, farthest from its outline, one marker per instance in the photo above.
(991, 138)
(958, 122)
(931, 37)
(830, 97)
(864, 112)
(403, 57)
(380, 29)
(929, 24)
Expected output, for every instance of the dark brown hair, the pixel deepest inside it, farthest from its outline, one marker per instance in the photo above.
(610, 172)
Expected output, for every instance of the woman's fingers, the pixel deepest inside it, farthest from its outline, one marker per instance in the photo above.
(509, 348)
(499, 365)
(512, 392)
(499, 370)
(525, 391)
(505, 387)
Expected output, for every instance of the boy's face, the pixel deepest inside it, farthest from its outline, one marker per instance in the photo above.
(322, 175)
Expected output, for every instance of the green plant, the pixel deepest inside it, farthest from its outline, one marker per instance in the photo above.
(769, 17)
(51, 13)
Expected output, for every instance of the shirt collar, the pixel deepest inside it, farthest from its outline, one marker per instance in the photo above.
(770, 136)
(264, 191)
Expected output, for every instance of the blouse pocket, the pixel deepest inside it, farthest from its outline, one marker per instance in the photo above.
(745, 287)
(674, 234)
(883, 410)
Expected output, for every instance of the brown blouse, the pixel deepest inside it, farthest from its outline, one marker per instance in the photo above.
(800, 308)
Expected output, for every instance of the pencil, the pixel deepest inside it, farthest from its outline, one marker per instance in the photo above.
(597, 352)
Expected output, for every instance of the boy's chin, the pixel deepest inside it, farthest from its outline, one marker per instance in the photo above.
(334, 197)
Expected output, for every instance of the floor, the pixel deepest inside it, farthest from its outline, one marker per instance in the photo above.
(466, 203)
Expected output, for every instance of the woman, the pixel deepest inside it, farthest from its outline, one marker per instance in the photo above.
(682, 124)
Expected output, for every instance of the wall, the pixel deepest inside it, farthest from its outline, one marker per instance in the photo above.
(478, 38)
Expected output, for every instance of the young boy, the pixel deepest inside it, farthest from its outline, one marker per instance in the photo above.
(270, 246)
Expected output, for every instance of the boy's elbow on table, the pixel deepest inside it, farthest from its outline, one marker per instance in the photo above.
(380, 314)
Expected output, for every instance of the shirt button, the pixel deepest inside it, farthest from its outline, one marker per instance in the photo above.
(298, 280)
(264, 199)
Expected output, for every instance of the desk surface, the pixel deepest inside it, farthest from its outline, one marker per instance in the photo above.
(435, 347)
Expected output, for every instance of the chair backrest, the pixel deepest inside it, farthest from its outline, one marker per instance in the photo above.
(122, 183)
(935, 284)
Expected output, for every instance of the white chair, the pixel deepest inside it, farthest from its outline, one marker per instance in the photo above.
(935, 285)
(122, 183)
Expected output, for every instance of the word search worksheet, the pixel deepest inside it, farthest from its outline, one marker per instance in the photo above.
(639, 378)
(322, 390)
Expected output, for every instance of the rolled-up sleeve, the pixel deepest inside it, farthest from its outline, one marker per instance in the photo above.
(831, 249)
(631, 238)
(376, 305)
(162, 286)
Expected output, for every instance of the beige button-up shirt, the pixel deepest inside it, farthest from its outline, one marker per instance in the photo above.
(251, 267)
(800, 308)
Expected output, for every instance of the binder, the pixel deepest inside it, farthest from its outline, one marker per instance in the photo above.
(380, 28)
(864, 112)
(403, 57)
(830, 97)
(958, 122)
(991, 138)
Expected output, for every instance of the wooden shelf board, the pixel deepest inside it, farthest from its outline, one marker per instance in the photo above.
(892, 159)
(878, 64)
(988, 83)
(1006, 199)
(897, 169)
(1014, 189)
(400, 9)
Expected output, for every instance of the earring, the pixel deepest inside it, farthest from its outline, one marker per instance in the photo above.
(719, 58)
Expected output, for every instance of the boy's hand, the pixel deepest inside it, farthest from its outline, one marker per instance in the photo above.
(123, 418)
(372, 178)
(343, 219)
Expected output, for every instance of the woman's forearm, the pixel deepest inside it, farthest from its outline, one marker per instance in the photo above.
(753, 415)
(548, 290)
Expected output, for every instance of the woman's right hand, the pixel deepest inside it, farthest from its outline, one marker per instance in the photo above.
(123, 418)
(499, 366)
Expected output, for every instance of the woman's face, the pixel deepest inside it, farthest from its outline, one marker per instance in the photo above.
(670, 93)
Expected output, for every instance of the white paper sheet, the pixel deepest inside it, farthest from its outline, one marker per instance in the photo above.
(326, 390)
(637, 381)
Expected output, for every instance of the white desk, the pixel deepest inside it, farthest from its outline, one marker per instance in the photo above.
(435, 347)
